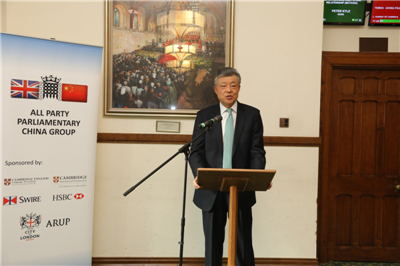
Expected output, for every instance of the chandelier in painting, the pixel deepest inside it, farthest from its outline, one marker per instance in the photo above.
(182, 38)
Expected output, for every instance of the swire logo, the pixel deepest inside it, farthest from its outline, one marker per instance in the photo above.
(11, 200)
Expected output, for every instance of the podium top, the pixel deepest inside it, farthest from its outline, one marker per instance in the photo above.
(245, 179)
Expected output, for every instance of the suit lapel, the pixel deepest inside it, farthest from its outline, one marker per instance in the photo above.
(217, 129)
(240, 119)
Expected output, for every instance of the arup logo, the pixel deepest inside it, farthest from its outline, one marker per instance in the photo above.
(11, 200)
(58, 222)
(79, 196)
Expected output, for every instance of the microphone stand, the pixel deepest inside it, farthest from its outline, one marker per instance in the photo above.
(184, 149)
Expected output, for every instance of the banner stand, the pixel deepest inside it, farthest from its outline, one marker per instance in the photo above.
(50, 101)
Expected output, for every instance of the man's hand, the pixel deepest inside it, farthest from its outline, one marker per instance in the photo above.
(195, 184)
(270, 186)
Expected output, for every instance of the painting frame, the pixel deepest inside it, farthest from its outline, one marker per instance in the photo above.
(111, 109)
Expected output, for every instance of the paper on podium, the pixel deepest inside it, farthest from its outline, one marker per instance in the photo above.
(245, 179)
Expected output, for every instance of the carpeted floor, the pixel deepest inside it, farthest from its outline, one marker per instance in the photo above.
(347, 263)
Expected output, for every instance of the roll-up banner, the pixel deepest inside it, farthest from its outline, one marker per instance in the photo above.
(50, 98)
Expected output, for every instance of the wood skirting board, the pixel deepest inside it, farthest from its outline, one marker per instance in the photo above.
(182, 139)
(194, 262)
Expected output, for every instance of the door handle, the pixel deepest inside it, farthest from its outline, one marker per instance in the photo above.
(395, 187)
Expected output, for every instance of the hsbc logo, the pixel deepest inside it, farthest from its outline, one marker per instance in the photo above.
(79, 196)
(66, 197)
(62, 197)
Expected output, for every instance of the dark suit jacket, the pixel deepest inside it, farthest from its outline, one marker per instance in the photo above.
(248, 150)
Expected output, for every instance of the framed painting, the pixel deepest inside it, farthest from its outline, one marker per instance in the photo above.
(161, 56)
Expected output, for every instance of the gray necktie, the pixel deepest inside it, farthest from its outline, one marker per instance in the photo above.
(228, 141)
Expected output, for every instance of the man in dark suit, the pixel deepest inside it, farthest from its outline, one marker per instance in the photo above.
(245, 151)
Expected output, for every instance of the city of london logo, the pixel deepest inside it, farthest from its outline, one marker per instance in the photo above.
(29, 224)
(29, 221)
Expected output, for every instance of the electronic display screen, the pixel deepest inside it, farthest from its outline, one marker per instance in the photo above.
(344, 12)
(385, 13)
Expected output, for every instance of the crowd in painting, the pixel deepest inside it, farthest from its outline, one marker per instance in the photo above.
(143, 82)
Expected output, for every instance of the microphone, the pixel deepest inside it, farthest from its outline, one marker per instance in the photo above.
(208, 123)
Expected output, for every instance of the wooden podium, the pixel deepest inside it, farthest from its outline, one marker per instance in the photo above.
(235, 181)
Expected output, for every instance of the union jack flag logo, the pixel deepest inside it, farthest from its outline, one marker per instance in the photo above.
(28, 89)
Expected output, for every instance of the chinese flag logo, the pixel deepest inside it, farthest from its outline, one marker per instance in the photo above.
(74, 93)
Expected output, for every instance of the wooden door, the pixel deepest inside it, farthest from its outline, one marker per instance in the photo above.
(359, 199)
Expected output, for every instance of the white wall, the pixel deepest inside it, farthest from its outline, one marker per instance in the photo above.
(345, 38)
(147, 222)
(71, 21)
(280, 62)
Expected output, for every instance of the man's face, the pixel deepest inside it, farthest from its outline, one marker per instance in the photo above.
(227, 90)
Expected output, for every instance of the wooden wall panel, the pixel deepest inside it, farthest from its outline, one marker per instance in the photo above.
(393, 87)
(196, 261)
(182, 139)
(366, 221)
(370, 86)
(368, 138)
(392, 135)
(345, 129)
(347, 86)
(343, 221)
(390, 222)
